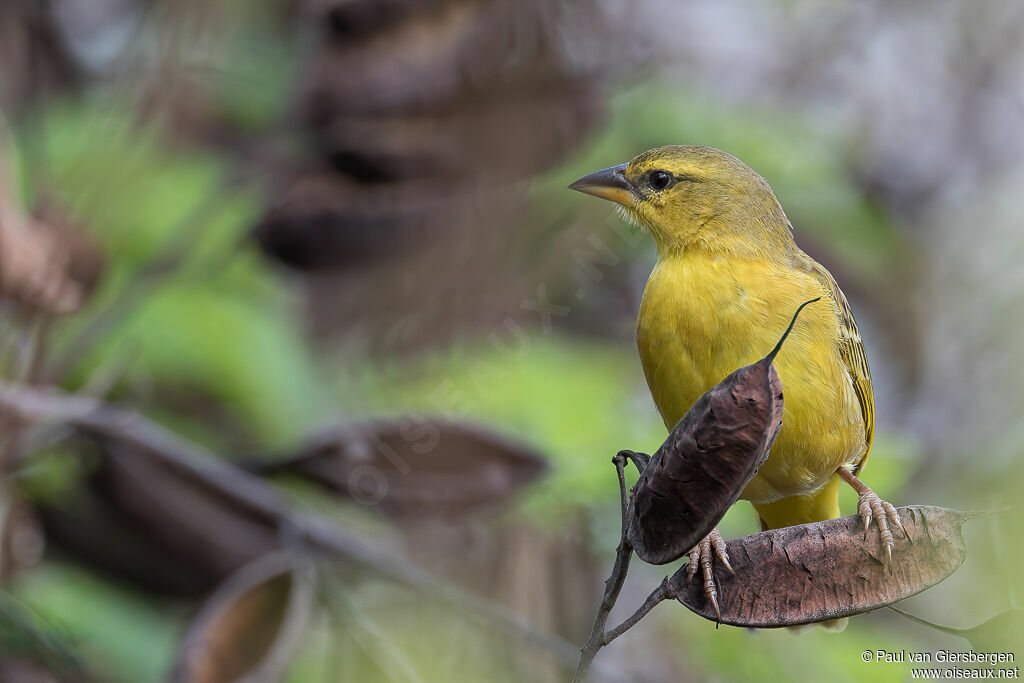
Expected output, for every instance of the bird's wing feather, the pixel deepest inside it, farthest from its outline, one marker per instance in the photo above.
(851, 350)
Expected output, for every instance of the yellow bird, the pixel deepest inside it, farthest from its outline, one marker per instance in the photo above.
(726, 283)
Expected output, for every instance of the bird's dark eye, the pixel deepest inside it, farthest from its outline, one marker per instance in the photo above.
(659, 180)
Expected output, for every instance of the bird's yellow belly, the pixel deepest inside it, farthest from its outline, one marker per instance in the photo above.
(702, 318)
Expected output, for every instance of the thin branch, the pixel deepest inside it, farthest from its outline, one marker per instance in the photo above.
(249, 491)
(613, 586)
(366, 634)
(12, 431)
(639, 460)
(666, 591)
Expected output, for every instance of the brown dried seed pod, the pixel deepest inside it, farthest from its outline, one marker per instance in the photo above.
(432, 58)
(323, 221)
(346, 20)
(249, 626)
(508, 135)
(149, 525)
(711, 454)
(416, 467)
(827, 570)
(416, 63)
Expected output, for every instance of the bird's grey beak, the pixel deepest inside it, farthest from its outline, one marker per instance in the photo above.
(609, 183)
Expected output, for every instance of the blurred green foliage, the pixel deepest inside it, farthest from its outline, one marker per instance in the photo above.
(120, 635)
(23, 634)
(222, 325)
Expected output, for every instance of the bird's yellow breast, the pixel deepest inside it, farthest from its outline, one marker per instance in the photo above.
(705, 315)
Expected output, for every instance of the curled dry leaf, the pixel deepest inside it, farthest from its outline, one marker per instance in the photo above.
(827, 570)
(249, 627)
(416, 466)
(711, 454)
(45, 263)
(34, 266)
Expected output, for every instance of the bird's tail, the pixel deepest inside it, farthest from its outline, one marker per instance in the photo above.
(810, 507)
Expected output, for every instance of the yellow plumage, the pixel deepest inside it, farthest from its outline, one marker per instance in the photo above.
(727, 281)
(704, 315)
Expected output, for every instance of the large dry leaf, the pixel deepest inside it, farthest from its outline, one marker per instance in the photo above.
(827, 570)
(250, 627)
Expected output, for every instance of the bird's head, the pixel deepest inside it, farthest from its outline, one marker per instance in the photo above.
(694, 197)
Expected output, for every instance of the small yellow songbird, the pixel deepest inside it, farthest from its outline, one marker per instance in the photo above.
(727, 281)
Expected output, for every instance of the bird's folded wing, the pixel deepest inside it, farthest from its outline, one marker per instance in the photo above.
(851, 349)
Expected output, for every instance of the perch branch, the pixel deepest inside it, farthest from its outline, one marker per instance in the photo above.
(666, 591)
(249, 491)
(613, 586)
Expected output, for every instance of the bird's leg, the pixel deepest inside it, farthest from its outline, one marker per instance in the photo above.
(702, 555)
(869, 506)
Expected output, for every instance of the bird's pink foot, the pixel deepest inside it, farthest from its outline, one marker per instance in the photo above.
(703, 556)
(870, 506)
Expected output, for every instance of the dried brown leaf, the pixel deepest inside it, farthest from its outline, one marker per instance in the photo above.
(827, 570)
(33, 265)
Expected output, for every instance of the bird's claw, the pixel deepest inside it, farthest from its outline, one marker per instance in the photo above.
(702, 555)
(870, 506)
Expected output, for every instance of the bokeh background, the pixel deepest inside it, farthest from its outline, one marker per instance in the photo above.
(328, 243)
